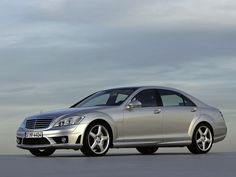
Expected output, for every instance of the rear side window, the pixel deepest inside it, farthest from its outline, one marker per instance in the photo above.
(171, 98)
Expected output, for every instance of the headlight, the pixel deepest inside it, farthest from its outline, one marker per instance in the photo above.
(73, 120)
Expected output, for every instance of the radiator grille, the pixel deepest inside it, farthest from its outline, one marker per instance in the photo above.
(38, 123)
(35, 141)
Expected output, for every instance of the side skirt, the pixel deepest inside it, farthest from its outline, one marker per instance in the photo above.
(143, 144)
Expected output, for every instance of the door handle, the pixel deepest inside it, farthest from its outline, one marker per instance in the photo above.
(194, 110)
(157, 111)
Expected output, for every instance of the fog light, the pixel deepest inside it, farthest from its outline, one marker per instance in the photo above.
(63, 139)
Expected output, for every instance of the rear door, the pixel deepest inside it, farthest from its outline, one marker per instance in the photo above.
(178, 112)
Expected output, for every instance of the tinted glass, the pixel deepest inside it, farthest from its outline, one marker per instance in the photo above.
(188, 102)
(170, 98)
(121, 97)
(147, 98)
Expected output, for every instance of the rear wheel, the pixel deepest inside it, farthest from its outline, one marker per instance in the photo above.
(147, 150)
(42, 152)
(202, 139)
(96, 140)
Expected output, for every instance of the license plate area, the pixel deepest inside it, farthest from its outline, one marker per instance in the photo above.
(34, 134)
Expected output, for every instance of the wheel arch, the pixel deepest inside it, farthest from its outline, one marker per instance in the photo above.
(107, 125)
(202, 120)
(194, 146)
(104, 121)
(206, 123)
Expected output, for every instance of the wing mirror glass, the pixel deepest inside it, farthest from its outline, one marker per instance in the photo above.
(134, 104)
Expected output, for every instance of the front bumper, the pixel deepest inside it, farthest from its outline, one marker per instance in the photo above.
(56, 146)
(52, 138)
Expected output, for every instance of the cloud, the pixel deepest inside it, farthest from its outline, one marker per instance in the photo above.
(125, 13)
(183, 15)
(55, 22)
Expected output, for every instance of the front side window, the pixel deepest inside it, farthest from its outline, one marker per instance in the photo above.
(113, 97)
(147, 98)
(170, 98)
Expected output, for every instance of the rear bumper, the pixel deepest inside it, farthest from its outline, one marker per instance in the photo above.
(219, 138)
(220, 132)
(52, 138)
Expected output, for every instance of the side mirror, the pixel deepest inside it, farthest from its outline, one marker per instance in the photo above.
(134, 104)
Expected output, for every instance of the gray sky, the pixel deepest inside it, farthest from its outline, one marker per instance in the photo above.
(55, 52)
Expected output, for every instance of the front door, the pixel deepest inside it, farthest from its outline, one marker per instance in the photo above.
(144, 124)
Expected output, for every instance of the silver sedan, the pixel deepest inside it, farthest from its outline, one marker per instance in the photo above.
(144, 118)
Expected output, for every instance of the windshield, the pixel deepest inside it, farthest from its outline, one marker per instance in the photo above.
(113, 97)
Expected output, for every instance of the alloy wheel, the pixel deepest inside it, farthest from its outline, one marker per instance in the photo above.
(204, 138)
(98, 139)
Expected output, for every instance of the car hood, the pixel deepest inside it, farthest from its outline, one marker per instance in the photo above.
(69, 111)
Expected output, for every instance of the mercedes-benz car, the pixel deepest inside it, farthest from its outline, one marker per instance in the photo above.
(145, 118)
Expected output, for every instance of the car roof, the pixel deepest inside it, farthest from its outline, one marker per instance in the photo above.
(194, 99)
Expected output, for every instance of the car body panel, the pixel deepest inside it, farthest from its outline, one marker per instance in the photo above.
(176, 123)
(142, 124)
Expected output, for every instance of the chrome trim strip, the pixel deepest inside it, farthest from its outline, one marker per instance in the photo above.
(134, 144)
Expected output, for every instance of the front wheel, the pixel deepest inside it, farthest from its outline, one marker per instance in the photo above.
(147, 150)
(202, 140)
(42, 152)
(96, 140)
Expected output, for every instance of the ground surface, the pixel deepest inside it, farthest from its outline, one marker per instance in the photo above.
(120, 165)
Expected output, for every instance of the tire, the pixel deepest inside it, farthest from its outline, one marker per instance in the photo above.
(147, 150)
(202, 139)
(97, 140)
(42, 152)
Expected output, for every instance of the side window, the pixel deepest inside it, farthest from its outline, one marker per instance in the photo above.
(120, 98)
(187, 102)
(147, 98)
(170, 98)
